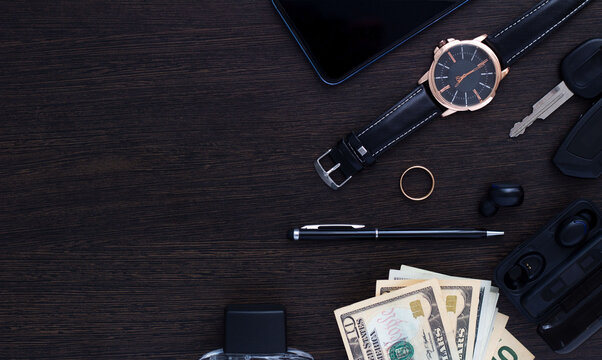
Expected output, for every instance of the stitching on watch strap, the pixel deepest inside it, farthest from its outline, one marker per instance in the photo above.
(550, 29)
(405, 133)
(391, 112)
(522, 18)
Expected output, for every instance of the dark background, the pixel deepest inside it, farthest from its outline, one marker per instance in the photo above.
(153, 155)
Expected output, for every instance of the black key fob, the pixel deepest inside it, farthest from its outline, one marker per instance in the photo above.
(582, 69)
(580, 155)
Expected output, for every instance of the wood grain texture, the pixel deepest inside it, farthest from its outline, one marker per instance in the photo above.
(154, 153)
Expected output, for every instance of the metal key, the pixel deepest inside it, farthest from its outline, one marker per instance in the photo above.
(582, 73)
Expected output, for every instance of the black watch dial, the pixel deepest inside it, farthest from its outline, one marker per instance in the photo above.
(465, 75)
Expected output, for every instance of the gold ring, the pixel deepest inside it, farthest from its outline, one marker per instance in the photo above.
(432, 183)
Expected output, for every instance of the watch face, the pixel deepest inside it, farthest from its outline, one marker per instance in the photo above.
(465, 75)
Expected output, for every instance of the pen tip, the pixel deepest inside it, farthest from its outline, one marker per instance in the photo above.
(495, 233)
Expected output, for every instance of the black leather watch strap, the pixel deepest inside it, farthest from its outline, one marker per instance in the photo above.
(535, 25)
(360, 149)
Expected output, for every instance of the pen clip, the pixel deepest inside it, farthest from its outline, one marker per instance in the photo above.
(326, 226)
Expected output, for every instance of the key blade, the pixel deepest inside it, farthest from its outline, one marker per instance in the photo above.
(520, 127)
(543, 108)
(552, 101)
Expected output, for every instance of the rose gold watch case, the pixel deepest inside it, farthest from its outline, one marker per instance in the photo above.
(442, 49)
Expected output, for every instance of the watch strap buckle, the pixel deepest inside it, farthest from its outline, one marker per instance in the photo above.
(346, 160)
(325, 174)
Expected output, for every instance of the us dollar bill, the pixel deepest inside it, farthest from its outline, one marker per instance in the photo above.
(503, 345)
(461, 301)
(410, 323)
(488, 297)
(387, 286)
(498, 327)
(508, 347)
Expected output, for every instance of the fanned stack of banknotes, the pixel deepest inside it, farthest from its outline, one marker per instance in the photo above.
(422, 315)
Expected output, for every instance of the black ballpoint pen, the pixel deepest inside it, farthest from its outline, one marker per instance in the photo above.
(347, 231)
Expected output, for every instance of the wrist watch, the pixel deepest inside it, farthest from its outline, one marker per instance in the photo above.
(464, 76)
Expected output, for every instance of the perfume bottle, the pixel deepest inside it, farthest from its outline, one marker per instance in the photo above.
(255, 332)
(291, 354)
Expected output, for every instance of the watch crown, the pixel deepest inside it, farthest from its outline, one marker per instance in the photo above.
(439, 46)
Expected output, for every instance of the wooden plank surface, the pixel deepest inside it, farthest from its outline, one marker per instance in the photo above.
(154, 153)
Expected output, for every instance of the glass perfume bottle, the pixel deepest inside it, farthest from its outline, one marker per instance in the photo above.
(291, 354)
(255, 332)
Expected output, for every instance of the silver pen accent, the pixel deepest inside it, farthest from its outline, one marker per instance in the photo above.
(495, 233)
(317, 227)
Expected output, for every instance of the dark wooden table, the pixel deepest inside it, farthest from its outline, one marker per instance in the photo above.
(153, 155)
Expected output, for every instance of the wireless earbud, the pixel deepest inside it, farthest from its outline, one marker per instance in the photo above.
(575, 229)
(501, 195)
(528, 268)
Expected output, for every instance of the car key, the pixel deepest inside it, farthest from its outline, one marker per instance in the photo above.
(581, 71)
(580, 154)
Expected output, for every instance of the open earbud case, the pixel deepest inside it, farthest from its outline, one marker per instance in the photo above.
(555, 277)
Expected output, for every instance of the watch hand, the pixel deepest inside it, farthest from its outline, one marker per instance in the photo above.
(460, 78)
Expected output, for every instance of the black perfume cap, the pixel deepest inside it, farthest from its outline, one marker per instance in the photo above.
(255, 329)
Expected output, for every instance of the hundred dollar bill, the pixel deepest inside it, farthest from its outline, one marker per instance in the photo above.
(406, 324)
(508, 347)
(498, 327)
(488, 297)
(461, 301)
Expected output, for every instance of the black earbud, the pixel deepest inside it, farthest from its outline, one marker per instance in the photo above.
(575, 229)
(501, 195)
(528, 268)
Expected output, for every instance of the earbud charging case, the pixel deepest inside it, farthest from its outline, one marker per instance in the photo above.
(558, 287)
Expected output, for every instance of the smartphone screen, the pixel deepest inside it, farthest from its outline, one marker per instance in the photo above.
(340, 37)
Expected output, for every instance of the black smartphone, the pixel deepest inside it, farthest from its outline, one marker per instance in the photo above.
(341, 37)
